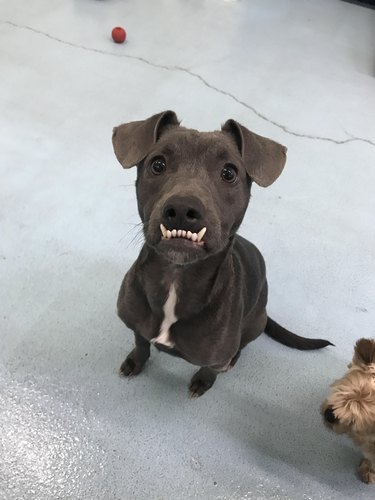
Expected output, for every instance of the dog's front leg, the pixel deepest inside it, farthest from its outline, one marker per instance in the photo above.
(136, 359)
(205, 377)
(202, 381)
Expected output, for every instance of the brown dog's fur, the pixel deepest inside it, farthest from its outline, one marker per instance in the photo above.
(350, 406)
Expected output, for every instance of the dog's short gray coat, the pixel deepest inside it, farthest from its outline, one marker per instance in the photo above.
(189, 180)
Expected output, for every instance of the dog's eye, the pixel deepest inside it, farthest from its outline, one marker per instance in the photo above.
(229, 173)
(158, 166)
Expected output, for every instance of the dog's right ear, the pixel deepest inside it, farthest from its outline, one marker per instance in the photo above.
(132, 141)
(365, 351)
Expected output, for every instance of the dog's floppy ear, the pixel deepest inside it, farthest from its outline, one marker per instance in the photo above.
(264, 159)
(365, 351)
(132, 141)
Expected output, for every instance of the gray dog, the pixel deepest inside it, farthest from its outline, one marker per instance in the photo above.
(197, 289)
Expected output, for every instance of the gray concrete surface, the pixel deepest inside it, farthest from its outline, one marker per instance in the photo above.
(300, 72)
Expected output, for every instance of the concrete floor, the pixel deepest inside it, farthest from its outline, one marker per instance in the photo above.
(301, 72)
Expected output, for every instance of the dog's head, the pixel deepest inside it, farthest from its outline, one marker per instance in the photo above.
(350, 406)
(193, 187)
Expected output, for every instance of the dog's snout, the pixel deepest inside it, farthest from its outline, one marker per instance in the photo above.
(330, 416)
(183, 213)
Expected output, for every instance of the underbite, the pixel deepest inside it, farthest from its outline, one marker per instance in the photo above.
(196, 238)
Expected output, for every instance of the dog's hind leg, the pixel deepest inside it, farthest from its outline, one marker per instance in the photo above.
(136, 359)
(234, 359)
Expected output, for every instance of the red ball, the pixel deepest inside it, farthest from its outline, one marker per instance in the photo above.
(118, 34)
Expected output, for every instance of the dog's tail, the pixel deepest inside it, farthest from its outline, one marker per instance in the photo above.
(284, 336)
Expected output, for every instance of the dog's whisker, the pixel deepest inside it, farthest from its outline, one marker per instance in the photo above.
(138, 238)
(137, 227)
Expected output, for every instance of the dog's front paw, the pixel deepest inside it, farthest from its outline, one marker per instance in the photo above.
(202, 381)
(133, 364)
(199, 387)
(366, 472)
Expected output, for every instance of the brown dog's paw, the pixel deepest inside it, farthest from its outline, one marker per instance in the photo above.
(366, 472)
(132, 365)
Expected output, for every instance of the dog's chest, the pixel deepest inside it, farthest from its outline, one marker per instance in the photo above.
(169, 319)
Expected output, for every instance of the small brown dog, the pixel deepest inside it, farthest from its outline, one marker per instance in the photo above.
(350, 406)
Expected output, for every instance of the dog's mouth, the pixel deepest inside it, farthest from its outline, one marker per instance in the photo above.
(182, 247)
(182, 237)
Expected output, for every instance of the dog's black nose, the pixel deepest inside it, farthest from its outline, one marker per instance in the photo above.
(183, 213)
(330, 416)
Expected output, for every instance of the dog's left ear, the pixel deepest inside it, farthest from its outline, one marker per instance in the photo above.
(132, 141)
(365, 351)
(264, 159)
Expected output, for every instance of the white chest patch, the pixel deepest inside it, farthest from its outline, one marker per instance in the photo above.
(169, 319)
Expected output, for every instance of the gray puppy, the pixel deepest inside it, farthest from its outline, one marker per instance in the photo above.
(197, 289)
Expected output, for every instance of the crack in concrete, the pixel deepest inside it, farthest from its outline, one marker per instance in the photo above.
(191, 73)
